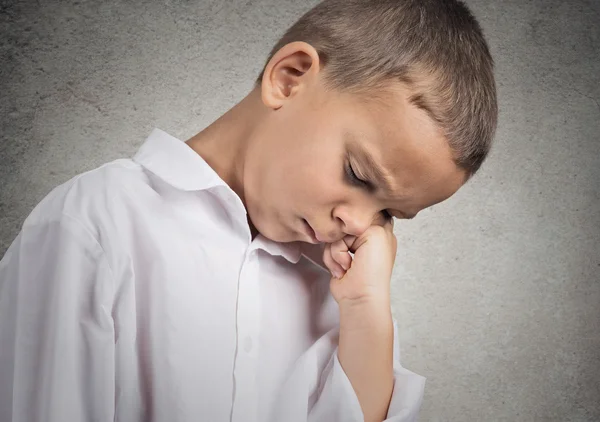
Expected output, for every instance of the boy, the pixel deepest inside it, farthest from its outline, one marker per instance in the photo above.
(188, 284)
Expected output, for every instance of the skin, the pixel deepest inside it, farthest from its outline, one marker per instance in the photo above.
(287, 148)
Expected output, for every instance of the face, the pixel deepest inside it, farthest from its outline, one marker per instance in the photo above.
(322, 165)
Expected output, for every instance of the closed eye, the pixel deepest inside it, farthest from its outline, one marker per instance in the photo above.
(357, 181)
(353, 178)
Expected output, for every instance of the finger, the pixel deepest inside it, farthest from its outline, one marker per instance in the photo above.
(334, 268)
(349, 242)
(339, 253)
(355, 242)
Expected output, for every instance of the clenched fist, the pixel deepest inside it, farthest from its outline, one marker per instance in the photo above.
(367, 275)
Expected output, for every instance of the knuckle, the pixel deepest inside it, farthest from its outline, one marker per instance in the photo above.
(378, 230)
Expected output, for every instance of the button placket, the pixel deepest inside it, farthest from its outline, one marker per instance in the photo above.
(248, 344)
(248, 320)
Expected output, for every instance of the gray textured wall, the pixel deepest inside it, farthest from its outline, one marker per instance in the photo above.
(497, 290)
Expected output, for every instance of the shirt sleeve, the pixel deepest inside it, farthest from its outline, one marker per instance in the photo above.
(318, 389)
(56, 329)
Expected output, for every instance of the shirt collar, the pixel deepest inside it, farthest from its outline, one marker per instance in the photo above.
(292, 251)
(180, 166)
(176, 163)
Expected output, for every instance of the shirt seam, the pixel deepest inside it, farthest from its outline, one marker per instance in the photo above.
(82, 225)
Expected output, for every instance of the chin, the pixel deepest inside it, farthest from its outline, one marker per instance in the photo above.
(272, 235)
(275, 231)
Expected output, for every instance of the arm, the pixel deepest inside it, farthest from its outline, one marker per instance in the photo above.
(353, 373)
(361, 287)
(56, 329)
(366, 354)
(318, 389)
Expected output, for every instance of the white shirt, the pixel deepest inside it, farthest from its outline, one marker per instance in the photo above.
(134, 292)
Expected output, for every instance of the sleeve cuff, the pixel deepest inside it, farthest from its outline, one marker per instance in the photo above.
(318, 389)
(338, 401)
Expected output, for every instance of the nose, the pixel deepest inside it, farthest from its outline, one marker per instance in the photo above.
(354, 221)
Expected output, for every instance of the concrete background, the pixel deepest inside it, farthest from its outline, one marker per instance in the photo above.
(497, 290)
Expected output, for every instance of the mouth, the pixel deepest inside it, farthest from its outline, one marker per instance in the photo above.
(310, 233)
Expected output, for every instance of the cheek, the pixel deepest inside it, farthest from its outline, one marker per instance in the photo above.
(300, 163)
(320, 188)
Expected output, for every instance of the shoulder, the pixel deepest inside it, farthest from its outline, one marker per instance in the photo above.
(91, 196)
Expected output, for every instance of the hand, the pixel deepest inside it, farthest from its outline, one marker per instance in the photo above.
(368, 275)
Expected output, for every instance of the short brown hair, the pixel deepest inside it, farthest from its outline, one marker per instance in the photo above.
(435, 46)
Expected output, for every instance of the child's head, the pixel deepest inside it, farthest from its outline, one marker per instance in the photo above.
(408, 82)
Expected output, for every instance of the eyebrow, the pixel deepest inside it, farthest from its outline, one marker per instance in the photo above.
(369, 165)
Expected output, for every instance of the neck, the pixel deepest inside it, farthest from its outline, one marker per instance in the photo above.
(224, 143)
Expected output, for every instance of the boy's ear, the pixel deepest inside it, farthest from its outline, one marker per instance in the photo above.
(294, 66)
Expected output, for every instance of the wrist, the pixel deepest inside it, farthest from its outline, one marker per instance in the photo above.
(366, 303)
(367, 313)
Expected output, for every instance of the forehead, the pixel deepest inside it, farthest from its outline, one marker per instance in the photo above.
(409, 147)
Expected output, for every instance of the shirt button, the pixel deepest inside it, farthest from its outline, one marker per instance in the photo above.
(248, 344)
